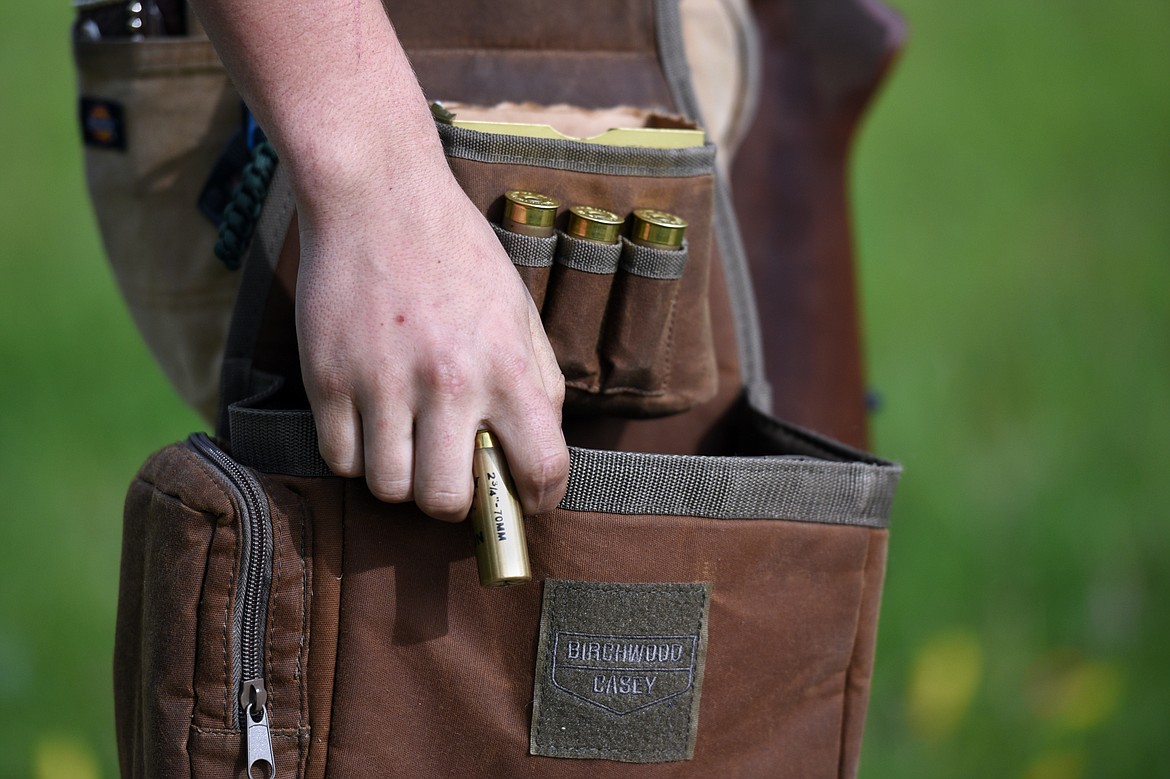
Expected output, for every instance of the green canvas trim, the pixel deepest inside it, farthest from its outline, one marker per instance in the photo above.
(530, 251)
(587, 256)
(651, 263)
(462, 143)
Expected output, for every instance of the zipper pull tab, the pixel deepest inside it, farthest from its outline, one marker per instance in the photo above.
(257, 737)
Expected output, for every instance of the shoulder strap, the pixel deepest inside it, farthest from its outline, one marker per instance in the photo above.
(739, 283)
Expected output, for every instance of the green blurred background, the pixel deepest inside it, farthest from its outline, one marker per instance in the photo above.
(1012, 191)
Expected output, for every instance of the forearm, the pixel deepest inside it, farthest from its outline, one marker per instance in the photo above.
(330, 84)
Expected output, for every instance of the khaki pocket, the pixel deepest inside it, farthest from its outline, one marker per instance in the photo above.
(177, 110)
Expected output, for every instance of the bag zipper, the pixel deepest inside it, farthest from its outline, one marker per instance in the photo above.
(251, 612)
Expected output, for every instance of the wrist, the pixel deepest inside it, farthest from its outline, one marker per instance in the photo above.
(341, 169)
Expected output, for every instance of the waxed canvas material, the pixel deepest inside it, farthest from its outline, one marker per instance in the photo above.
(606, 51)
(638, 347)
(174, 694)
(573, 317)
(535, 279)
(377, 625)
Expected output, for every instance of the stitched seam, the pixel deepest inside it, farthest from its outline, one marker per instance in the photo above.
(692, 726)
(211, 475)
(592, 389)
(179, 499)
(669, 356)
(304, 637)
(227, 681)
(340, 597)
(274, 732)
(274, 604)
(633, 391)
(845, 707)
(556, 592)
(214, 478)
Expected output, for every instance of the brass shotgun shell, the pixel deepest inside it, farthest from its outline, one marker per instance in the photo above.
(529, 213)
(497, 520)
(594, 224)
(658, 229)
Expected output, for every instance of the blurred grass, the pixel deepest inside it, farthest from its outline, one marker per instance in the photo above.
(1012, 191)
(81, 404)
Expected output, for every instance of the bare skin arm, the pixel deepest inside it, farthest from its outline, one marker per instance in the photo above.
(414, 328)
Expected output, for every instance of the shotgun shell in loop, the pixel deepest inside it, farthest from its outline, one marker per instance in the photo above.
(594, 224)
(529, 213)
(658, 229)
(497, 521)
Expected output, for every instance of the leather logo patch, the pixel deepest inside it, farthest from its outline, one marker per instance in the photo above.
(619, 671)
(623, 674)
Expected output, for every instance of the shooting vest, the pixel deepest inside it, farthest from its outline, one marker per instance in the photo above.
(704, 600)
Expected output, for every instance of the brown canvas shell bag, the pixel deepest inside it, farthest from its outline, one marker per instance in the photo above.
(380, 653)
(704, 600)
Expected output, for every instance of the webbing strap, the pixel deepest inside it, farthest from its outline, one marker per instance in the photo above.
(850, 488)
(587, 256)
(578, 156)
(797, 489)
(654, 263)
(248, 314)
(529, 251)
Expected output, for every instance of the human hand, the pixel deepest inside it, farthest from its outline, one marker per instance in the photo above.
(414, 328)
(415, 331)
